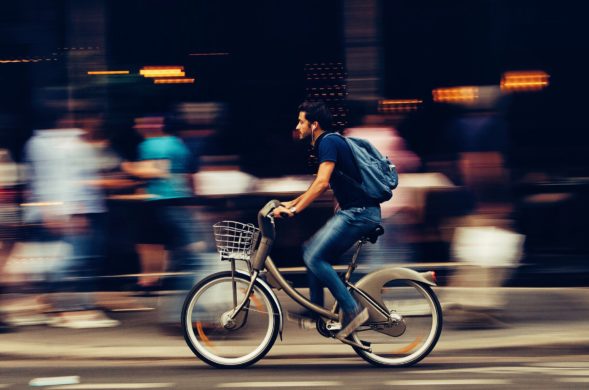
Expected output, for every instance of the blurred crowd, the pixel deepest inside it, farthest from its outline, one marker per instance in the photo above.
(56, 227)
(74, 197)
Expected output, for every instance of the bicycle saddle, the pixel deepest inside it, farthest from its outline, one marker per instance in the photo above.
(373, 236)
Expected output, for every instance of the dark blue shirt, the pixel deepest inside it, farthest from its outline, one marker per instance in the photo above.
(335, 148)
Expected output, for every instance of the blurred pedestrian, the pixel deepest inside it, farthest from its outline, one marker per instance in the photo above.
(485, 241)
(166, 166)
(9, 220)
(64, 205)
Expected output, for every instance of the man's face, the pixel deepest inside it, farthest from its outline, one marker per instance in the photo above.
(303, 129)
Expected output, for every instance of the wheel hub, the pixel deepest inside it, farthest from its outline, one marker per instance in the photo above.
(227, 321)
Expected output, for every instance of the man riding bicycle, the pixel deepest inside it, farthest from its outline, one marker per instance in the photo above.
(355, 217)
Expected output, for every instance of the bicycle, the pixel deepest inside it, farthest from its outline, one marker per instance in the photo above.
(232, 318)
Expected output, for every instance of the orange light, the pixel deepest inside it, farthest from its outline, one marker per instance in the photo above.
(401, 101)
(398, 105)
(182, 80)
(107, 72)
(162, 71)
(455, 94)
(534, 80)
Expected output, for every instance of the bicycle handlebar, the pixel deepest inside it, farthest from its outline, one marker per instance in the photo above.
(266, 220)
(266, 226)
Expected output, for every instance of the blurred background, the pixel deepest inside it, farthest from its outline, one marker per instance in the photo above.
(480, 104)
(128, 128)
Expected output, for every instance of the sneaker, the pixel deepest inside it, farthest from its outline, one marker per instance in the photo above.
(27, 319)
(351, 322)
(83, 320)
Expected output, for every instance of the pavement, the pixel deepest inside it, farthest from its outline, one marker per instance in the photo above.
(529, 320)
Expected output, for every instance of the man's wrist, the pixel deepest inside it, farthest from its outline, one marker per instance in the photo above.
(293, 210)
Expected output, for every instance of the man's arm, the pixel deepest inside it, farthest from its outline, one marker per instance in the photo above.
(148, 169)
(318, 187)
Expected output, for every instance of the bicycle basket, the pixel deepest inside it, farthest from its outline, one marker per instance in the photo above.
(235, 240)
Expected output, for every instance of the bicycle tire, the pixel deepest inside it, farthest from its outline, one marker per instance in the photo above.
(194, 338)
(420, 352)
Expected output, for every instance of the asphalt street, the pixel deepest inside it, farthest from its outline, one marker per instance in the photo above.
(492, 370)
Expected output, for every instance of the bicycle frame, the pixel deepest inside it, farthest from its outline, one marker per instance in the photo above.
(263, 261)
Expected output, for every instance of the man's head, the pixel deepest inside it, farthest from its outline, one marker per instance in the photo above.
(313, 116)
(150, 126)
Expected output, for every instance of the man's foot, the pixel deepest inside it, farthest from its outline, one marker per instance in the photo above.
(305, 321)
(351, 322)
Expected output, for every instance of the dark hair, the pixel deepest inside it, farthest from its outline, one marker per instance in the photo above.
(317, 111)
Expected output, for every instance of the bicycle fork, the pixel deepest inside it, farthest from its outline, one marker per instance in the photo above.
(236, 317)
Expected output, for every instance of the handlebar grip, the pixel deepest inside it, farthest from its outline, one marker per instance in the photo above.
(271, 205)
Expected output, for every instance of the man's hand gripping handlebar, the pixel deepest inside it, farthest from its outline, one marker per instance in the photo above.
(282, 211)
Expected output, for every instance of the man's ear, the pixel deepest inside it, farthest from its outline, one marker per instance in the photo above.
(314, 125)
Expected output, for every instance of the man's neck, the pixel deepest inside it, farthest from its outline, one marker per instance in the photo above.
(315, 135)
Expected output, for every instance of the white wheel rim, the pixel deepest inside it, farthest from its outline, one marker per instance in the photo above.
(219, 359)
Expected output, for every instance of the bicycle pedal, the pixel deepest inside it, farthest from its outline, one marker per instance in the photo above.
(362, 346)
(333, 326)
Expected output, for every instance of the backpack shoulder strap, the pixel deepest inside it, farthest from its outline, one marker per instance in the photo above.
(341, 173)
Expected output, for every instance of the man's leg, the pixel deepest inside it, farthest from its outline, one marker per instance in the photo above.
(184, 257)
(315, 289)
(327, 245)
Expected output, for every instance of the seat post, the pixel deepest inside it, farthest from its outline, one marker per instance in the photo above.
(352, 266)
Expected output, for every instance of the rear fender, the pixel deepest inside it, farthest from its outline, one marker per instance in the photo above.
(373, 283)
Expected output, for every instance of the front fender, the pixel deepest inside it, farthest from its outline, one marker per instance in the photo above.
(373, 283)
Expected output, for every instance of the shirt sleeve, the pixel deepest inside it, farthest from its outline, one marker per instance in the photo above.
(328, 150)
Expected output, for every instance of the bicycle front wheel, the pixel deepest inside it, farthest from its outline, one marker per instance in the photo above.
(417, 333)
(251, 335)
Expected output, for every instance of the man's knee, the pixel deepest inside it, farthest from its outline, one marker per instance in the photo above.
(311, 256)
(306, 254)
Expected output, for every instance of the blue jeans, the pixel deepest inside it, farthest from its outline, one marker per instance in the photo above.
(328, 244)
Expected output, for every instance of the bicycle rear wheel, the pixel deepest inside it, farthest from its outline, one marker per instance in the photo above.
(414, 338)
(255, 329)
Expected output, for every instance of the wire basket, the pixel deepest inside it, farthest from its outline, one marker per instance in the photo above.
(235, 240)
